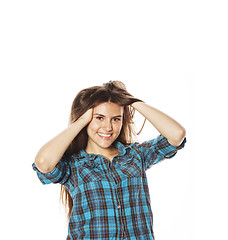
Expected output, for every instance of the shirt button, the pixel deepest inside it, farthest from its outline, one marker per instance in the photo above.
(118, 206)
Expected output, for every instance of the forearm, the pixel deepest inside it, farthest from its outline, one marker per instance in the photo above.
(50, 154)
(167, 126)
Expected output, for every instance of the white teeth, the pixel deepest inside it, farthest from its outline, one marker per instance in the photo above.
(104, 135)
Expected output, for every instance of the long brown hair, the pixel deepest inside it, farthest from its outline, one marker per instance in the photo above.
(113, 91)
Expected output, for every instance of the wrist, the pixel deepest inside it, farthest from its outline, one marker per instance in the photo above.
(81, 122)
(136, 105)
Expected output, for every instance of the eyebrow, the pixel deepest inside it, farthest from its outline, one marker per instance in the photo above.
(99, 114)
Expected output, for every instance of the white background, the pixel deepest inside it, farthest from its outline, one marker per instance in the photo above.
(171, 54)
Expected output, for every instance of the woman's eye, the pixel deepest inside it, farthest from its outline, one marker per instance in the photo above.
(116, 119)
(99, 118)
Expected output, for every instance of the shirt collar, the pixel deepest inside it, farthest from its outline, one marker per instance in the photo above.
(121, 147)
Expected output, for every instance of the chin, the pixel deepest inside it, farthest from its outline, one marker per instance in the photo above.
(105, 145)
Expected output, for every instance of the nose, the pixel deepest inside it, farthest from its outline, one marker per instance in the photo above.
(108, 125)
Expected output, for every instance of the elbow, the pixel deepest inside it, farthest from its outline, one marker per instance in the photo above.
(178, 138)
(181, 134)
(41, 164)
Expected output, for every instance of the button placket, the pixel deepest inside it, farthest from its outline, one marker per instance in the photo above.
(119, 212)
(114, 176)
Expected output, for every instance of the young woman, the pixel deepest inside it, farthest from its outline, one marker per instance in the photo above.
(101, 171)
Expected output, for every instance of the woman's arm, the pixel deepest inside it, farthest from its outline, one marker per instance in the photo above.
(167, 126)
(51, 153)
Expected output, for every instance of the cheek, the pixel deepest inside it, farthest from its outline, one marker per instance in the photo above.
(118, 127)
(93, 126)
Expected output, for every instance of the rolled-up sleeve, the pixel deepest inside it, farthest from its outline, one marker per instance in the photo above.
(156, 150)
(60, 174)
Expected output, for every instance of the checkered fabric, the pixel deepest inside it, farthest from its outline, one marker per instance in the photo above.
(111, 199)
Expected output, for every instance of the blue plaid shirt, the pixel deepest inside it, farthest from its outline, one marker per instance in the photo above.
(111, 198)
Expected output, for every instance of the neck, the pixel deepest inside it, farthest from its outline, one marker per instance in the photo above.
(107, 152)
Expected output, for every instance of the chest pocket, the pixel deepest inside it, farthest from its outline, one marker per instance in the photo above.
(89, 171)
(130, 166)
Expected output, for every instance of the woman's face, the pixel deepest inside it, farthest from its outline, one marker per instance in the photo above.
(105, 126)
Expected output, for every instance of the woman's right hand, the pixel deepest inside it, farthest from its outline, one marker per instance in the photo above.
(119, 84)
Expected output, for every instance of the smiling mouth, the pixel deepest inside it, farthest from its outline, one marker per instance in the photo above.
(105, 136)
